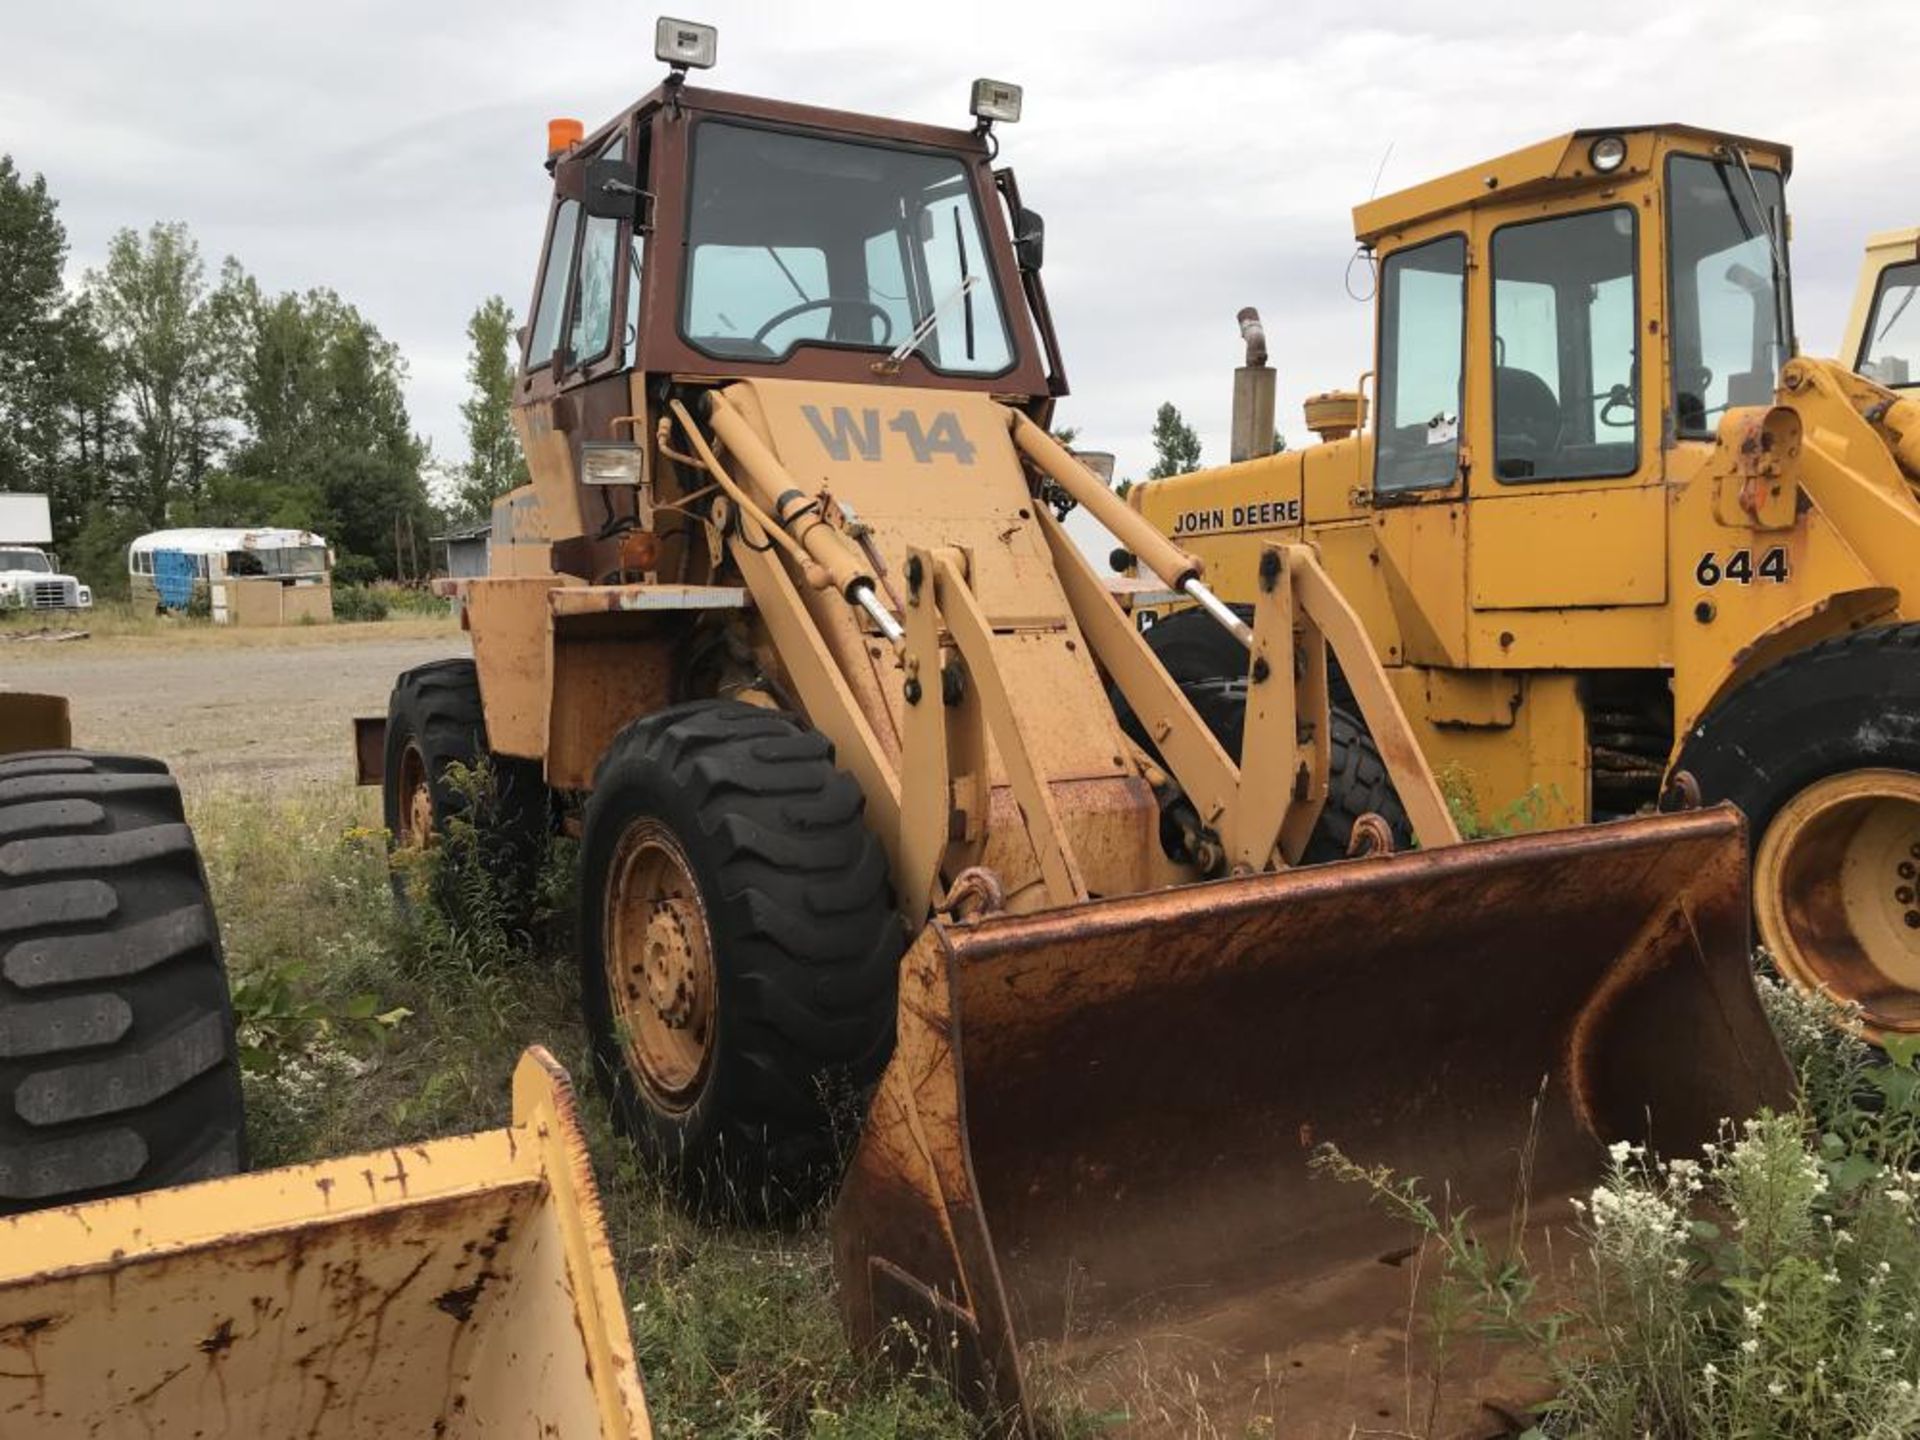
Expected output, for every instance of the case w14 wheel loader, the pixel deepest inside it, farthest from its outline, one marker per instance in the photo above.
(894, 834)
(460, 1287)
(1614, 539)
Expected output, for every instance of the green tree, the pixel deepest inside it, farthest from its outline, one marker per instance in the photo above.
(33, 248)
(1176, 447)
(163, 328)
(327, 441)
(494, 462)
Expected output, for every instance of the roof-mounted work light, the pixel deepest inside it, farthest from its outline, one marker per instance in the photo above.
(684, 44)
(995, 100)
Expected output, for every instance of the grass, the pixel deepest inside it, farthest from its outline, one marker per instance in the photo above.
(123, 621)
(364, 1028)
(1767, 1287)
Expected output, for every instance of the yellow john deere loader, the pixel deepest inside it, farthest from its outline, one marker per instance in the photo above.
(1613, 539)
(460, 1287)
(893, 830)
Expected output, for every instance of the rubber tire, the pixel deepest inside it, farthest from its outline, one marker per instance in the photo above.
(1847, 703)
(1192, 645)
(1212, 675)
(439, 704)
(806, 943)
(119, 1070)
(1805, 718)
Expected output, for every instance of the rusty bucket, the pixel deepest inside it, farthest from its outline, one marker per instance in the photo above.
(458, 1288)
(1086, 1173)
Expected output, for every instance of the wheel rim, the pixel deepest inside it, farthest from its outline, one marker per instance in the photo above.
(659, 965)
(1837, 893)
(415, 818)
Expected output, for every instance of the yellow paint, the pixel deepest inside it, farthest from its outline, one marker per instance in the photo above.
(462, 1287)
(1544, 582)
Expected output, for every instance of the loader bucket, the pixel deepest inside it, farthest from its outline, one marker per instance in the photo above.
(1086, 1173)
(458, 1288)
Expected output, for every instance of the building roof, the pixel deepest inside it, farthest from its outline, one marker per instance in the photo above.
(211, 539)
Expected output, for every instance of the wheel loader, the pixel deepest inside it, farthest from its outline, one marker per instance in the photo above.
(1615, 540)
(896, 838)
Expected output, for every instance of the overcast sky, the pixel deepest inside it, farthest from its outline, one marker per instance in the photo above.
(1189, 159)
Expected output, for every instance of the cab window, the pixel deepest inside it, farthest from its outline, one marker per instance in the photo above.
(1728, 324)
(553, 285)
(1565, 348)
(592, 329)
(1422, 336)
(1890, 350)
(805, 240)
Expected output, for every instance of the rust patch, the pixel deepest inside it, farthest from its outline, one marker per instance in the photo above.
(459, 1301)
(220, 1341)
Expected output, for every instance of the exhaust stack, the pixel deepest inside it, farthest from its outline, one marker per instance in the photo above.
(1253, 390)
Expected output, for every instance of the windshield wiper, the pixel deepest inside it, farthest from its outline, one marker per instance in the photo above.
(897, 357)
(966, 289)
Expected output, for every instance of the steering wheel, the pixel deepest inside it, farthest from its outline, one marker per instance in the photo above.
(825, 302)
(1618, 398)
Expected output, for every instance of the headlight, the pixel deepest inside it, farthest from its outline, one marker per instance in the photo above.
(1607, 154)
(86, 597)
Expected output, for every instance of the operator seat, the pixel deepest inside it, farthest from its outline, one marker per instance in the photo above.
(1526, 418)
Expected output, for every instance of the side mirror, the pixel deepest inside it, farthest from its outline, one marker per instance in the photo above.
(608, 193)
(1029, 239)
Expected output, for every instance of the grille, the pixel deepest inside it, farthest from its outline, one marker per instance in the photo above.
(54, 595)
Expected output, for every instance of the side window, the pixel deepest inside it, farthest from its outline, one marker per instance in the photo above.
(553, 287)
(592, 329)
(1565, 348)
(1890, 350)
(1423, 316)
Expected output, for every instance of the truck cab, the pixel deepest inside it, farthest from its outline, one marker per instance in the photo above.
(30, 577)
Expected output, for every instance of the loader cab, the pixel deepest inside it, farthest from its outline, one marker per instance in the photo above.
(1552, 327)
(722, 235)
(1883, 333)
(702, 237)
(1564, 314)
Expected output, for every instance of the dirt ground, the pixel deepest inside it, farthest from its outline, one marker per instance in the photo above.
(231, 706)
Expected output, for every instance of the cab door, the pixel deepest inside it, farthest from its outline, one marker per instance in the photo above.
(1420, 455)
(576, 384)
(1567, 510)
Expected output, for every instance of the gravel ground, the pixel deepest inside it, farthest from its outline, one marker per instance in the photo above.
(231, 707)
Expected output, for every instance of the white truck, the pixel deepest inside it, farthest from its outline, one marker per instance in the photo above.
(29, 575)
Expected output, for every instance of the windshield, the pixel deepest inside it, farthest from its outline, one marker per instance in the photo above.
(1890, 350)
(794, 239)
(25, 560)
(1729, 324)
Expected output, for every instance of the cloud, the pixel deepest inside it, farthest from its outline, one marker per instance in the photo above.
(1189, 161)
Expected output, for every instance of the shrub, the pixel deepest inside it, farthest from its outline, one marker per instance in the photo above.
(357, 602)
(1768, 1288)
